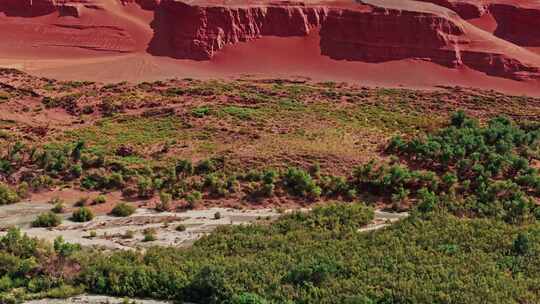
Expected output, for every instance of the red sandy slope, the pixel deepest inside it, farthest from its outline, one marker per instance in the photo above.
(377, 42)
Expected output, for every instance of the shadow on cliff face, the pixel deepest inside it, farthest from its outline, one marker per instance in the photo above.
(160, 45)
(27, 12)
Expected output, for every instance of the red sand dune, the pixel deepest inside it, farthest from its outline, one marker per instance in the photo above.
(377, 42)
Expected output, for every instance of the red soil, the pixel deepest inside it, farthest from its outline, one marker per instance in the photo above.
(380, 42)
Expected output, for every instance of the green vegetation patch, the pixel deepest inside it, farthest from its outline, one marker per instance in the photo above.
(321, 258)
(109, 134)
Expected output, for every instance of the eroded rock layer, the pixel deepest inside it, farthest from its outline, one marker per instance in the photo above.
(380, 34)
(197, 32)
(366, 32)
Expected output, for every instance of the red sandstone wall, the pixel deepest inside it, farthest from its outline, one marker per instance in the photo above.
(517, 24)
(198, 32)
(382, 35)
(369, 34)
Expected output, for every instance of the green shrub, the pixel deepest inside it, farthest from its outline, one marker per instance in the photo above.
(332, 216)
(65, 249)
(83, 214)
(200, 112)
(193, 199)
(47, 219)
(100, 199)
(205, 166)
(300, 183)
(58, 208)
(7, 196)
(123, 210)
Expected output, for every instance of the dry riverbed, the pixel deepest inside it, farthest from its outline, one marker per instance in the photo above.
(178, 229)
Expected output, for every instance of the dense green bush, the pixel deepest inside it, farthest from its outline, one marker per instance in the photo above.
(473, 170)
(320, 257)
(300, 183)
(47, 219)
(123, 210)
(83, 214)
(7, 195)
(100, 199)
(32, 268)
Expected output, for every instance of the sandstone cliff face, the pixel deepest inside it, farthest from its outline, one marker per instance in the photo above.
(517, 24)
(499, 65)
(363, 32)
(197, 32)
(383, 34)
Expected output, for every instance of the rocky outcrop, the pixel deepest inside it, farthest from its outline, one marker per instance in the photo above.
(520, 25)
(197, 32)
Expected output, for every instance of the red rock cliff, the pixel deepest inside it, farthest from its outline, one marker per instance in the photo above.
(197, 32)
(520, 25)
(362, 32)
(381, 34)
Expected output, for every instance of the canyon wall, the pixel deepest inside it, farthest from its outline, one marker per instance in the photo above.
(369, 31)
(520, 25)
(361, 32)
(517, 21)
(380, 34)
(197, 32)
